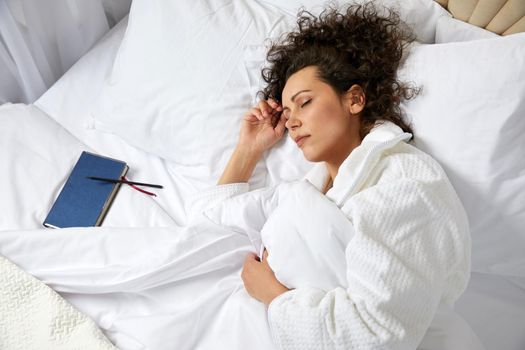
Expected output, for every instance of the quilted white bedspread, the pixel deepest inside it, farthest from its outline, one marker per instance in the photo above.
(36, 317)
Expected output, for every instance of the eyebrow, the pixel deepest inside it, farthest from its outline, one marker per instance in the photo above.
(295, 95)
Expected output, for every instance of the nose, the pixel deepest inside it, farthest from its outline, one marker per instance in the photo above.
(293, 122)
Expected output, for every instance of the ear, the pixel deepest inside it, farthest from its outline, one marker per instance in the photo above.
(355, 99)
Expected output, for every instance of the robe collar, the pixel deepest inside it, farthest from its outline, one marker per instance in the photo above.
(355, 168)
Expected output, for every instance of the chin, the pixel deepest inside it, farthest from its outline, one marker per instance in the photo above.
(314, 158)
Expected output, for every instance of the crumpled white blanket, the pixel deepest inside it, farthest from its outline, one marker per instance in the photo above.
(308, 240)
(33, 316)
(150, 287)
(305, 232)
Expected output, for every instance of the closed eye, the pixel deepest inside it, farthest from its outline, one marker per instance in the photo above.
(305, 103)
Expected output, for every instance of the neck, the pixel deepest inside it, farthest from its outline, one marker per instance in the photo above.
(333, 164)
(328, 185)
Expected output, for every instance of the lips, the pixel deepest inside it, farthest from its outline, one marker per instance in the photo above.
(301, 139)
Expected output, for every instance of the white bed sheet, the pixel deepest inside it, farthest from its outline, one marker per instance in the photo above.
(150, 288)
(493, 305)
(38, 155)
(126, 275)
(148, 282)
(69, 102)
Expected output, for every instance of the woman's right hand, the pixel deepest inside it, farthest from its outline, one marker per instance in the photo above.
(262, 126)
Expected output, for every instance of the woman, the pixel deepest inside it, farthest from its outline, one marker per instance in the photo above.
(332, 85)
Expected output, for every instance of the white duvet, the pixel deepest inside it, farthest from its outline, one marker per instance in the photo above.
(157, 288)
(304, 231)
(149, 288)
(307, 238)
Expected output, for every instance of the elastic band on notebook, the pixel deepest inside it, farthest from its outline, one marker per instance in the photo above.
(139, 189)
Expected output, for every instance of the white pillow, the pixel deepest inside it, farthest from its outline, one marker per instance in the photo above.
(179, 84)
(449, 30)
(179, 87)
(69, 100)
(470, 115)
(421, 15)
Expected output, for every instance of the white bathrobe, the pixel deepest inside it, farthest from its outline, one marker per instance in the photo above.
(377, 271)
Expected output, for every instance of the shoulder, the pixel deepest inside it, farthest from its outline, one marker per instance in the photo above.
(404, 161)
(404, 170)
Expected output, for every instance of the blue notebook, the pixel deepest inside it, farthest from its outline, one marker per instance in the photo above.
(84, 202)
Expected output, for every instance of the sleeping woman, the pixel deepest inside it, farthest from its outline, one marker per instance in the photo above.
(364, 250)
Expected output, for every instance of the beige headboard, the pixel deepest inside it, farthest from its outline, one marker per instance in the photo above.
(499, 16)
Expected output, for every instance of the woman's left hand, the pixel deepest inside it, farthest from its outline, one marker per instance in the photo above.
(259, 279)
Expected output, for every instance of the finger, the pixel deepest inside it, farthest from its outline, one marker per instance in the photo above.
(265, 254)
(257, 113)
(274, 104)
(251, 118)
(244, 273)
(276, 108)
(280, 128)
(275, 119)
(265, 108)
(252, 257)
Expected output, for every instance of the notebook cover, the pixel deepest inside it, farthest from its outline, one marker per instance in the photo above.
(83, 202)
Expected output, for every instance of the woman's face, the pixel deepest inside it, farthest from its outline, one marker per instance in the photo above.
(317, 119)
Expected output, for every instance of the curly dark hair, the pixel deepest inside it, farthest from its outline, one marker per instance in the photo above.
(355, 46)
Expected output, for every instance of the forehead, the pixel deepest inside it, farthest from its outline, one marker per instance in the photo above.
(305, 78)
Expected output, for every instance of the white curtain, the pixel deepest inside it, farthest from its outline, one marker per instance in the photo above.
(41, 39)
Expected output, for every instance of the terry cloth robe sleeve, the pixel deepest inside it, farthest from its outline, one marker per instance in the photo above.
(409, 253)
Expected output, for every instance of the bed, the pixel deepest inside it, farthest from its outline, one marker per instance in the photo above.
(135, 97)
